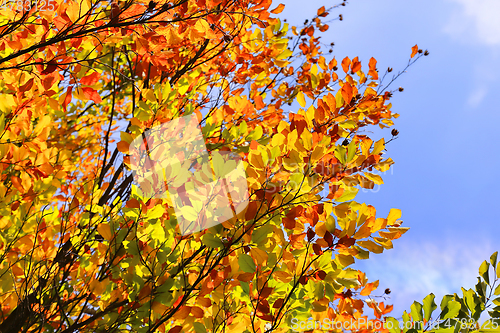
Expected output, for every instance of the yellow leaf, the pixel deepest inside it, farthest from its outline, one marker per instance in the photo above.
(394, 214)
(202, 26)
(321, 229)
(379, 146)
(301, 99)
(150, 95)
(344, 260)
(317, 153)
(378, 224)
(7, 102)
(126, 137)
(330, 224)
(371, 246)
(374, 178)
(341, 210)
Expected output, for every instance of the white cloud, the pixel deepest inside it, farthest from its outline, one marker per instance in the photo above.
(413, 270)
(477, 19)
(477, 96)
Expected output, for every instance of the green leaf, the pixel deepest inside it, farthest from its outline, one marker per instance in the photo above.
(471, 299)
(493, 259)
(348, 283)
(406, 321)
(199, 328)
(211, 241)
(483, 271)
(246, 263)
(451, 310)
(416, 311)
(349, 194)
(392, 325)
(445, 300)
(260, 234)
(429, 306)
(497, 291)
(351, 151)
(340, 154)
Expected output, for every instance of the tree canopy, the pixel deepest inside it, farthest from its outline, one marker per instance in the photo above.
(86, 246)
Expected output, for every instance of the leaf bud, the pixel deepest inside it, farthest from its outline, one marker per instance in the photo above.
(426, 53)
(387, 291)
(389, 69)
(401, 89)
(394, 132)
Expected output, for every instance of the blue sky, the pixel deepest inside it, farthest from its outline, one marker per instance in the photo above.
(445, 178)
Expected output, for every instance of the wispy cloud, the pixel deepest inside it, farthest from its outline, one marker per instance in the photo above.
(477, 96)
(414, 270)
(477, 19)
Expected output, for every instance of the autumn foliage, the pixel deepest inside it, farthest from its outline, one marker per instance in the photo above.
(82, 250)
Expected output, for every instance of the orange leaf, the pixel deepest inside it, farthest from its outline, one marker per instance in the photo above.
(345, 64)
(356, 65)
(278, 9)
(123, 147)
(259, 104)
(197, 312)
(133, 203)
(346, 92)
(105, 230)
(414, 50)
(369, 288)
(322, 12)
(372, 64)
(16, 181)
(182, 313)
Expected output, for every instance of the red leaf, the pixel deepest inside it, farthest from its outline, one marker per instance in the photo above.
(68, 97)
(175, 329)
(51, 66)
(278, 303)
(90, 80)
(92, 94)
